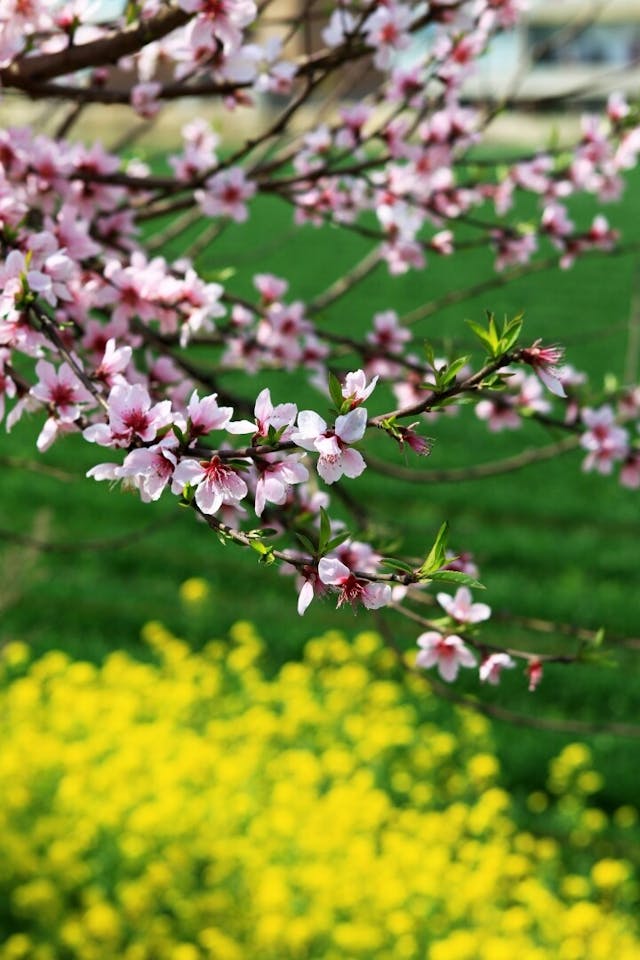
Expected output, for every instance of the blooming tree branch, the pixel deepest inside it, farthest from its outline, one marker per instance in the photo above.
(106, 336)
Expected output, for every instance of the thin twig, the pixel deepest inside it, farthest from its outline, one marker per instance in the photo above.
(80, 546)
(345, 283)
(630, 374)
(477, 471)
(495, 712)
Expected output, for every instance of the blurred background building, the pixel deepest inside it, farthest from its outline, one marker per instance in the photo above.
(578, 48)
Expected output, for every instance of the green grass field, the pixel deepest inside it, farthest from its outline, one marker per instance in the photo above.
(551, 541)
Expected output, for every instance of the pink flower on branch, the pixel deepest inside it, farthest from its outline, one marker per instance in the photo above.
(204, 415)
(226, 19)
(448, 653)
(216, 483)
(278, 418)
(7, 385)
(60, 390)
(534, 674)
(461, 609)
(493, 665)
(151, 469)
(132, 417)
(353, 590)
(225, 194)
(605, 441)
(355, 388)
(336, 456)
(544, 361)
(144, 99)
(310, 586)
(275, 477)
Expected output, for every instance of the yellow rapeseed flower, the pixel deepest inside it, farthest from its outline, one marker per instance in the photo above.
(194, 591)
(195, 809)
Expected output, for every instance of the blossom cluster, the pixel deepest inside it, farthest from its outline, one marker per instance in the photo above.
(221, 782)
(103, 332)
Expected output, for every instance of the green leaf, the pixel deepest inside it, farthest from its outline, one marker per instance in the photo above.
(429, 354)
(325, 531)
(437, 555)
(261, 533)
(306, 543)
(455, 367)
(188, 493)
(510, 332)
(274, 436)
(266, 554)
(336, 541)
(221, 275)
(397, 565)
(456, 576)
(335, 391)
(493, 331)
(483, 335)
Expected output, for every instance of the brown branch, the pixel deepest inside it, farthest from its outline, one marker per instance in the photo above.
(79, 546)
(502, 279)
(495, 712)
(18, 463)
(345, 283)
(477, 471)
(471, 383)
(96, 53)
(109, 97)
(50, 330)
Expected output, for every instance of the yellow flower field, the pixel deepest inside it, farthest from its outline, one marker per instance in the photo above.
(193, 808)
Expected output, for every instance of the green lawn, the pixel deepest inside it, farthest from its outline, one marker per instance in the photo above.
(551, 541)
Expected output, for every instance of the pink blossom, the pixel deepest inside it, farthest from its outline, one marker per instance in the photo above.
(460, 607)
(72, 233)
(204, 415)
(336, 457)
(132, 416)
(630, 472)
(534, 673)
(605, 441)
(387, 29)
(463, 563)
(133, 289)
(310, 586)
(544, 361)
(144, 99)
(503, 412)
(275, 478)
(387, 333)
(115, 361)
(215, 481)
(355, 388)
(224, 18)
(448, 653)
(269, 287)
(353, 590)
(151, 468)
(493, 665)
(357, 556)
(60, 390)
(279, 418)
(617, 107)
(225, 194)
(341, 24)
(7, 385)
